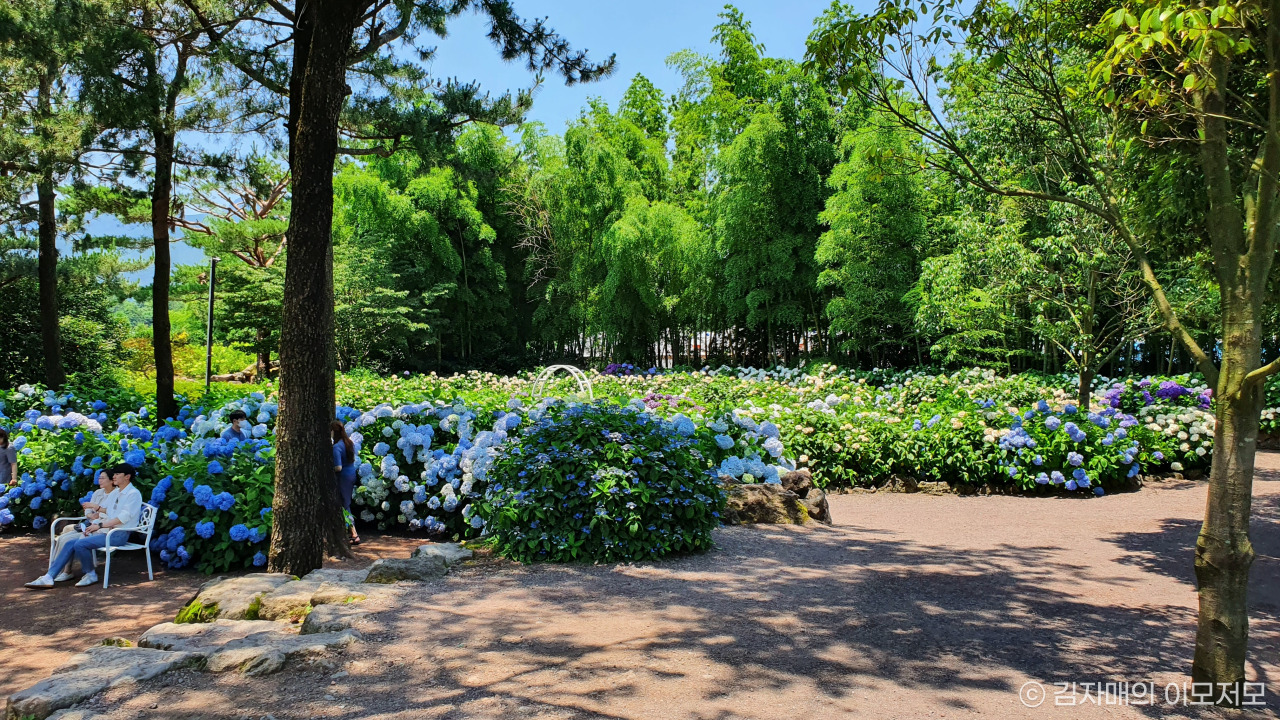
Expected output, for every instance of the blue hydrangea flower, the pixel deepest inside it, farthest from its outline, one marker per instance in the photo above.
(224, 501)
(684, 425)
(724, 442)
(205, 529)
(215, 467)
(1052, 423)
(259, 560)
(239, 532)
(732, 466)
(136, 458)
(204, 496)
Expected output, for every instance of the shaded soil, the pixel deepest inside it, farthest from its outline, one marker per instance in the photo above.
(911, 606)
(41, 629)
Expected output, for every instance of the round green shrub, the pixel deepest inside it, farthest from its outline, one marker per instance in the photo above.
(600, 482)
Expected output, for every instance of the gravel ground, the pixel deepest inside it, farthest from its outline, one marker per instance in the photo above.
(41, 629)
(912, 606)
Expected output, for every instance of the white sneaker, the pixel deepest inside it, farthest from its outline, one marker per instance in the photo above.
(88, 579)
(63, 577)
(42, 582)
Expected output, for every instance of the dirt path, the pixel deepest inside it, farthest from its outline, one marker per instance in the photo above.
(41, 630)
(912, 606)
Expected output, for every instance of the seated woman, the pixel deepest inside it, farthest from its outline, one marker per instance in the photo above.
(94, 508)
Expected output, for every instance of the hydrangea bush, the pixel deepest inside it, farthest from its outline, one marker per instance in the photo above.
(429, 444)
(601, 482)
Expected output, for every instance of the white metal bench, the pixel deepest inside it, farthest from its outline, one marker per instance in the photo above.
(146, 522)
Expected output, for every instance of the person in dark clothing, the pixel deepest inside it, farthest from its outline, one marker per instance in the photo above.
(344, 467)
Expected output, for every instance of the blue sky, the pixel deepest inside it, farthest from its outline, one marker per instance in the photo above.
(642, 34)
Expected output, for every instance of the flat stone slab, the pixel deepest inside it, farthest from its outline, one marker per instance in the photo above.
(389, 570)
(293, 599)
(234, 598)
(91, 672)
(252, 647)
(288, 601)
(75, 714)
(331, 593)
(452, 553)
(332, 618)
(334, 575)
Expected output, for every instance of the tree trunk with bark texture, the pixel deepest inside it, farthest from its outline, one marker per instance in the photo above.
(308, 517)
(161, 336)
(55, 376)
(1243, 234)
(1223, 550)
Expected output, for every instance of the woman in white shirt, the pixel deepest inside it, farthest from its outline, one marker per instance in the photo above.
(94, 509)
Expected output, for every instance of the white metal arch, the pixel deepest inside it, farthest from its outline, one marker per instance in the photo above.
(584, 382)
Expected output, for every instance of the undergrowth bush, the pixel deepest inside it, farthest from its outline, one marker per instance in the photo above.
(601, 482)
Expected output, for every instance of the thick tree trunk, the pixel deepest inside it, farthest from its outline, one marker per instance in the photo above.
(1223, 550)
(55, 376)
(308, 518)
(1243, 233)
(161, 335)
(1085, 391)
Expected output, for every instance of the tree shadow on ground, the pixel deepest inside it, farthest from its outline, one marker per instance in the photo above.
(798, 613)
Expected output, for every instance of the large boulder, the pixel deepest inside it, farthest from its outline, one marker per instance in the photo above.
(332, 618)
(91, 672)
(451, 553)
(290, 601)
(423, 567)
(749, 503)
(334, 575)
(800, 482)
(252, 647)
(232, 598)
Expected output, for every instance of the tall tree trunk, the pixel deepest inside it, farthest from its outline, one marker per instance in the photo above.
(1223, 550)
(308, 517)
(264, 355)
(161, 336)
(1085, 390)
(1243, 233)
(55, 376)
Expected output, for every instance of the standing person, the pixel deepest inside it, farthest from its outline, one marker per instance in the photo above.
(95, 508)
(239, 429)
(8, 460)
(344, 467)
(124, 512)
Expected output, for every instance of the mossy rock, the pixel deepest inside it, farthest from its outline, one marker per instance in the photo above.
(196, 612)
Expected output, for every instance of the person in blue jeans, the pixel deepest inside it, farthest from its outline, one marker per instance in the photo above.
(121, 511)
(344, 467)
